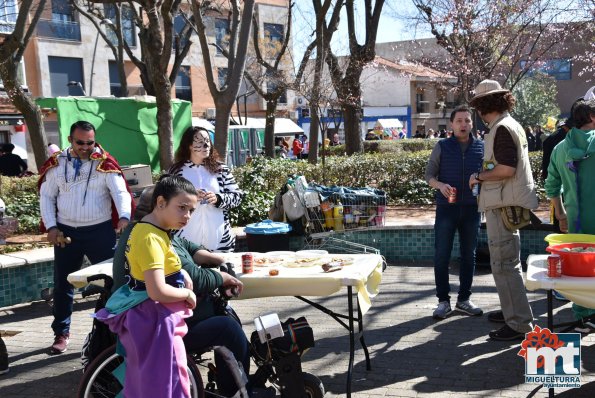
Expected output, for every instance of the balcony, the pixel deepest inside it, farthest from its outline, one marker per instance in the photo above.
(61, 30)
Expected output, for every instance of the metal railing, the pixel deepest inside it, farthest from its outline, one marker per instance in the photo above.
(62, 30)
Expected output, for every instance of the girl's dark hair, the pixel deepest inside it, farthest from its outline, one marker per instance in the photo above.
(500, 102)
(212, 162)
(170, 186)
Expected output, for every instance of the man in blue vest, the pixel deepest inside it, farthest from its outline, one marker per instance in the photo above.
(451, 163)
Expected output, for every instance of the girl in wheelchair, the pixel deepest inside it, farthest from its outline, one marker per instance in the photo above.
(207, 327)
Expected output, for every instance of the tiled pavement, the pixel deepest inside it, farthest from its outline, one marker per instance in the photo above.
(412, 355)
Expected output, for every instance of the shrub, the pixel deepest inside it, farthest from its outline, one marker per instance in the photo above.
(22, 202)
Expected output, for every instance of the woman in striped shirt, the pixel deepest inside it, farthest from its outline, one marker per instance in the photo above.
(198, 161)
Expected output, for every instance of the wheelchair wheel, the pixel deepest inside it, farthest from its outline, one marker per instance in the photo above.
(313, 385)
(99, 380)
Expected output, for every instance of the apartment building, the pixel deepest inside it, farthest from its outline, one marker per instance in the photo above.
(67, 56)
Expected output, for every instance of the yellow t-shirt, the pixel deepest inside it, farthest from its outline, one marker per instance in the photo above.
(149, 247)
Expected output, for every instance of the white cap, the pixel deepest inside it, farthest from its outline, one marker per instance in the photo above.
(590, 94)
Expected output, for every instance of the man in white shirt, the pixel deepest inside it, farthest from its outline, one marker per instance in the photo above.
(83, 197)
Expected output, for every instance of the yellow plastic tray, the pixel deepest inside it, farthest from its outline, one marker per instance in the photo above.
(557, 239)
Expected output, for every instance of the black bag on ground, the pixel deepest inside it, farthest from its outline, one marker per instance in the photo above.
(297, 337)
(100, 337)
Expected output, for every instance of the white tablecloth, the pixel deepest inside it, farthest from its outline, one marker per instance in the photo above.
(580, 290)
(364, 275)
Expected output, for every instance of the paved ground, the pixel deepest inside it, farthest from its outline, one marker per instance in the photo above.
(412, 355)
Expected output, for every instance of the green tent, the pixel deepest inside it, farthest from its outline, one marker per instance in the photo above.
(126, 127)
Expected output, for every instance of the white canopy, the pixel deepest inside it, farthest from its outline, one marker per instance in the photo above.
(388, 123)
(198, 122)
(283, 126)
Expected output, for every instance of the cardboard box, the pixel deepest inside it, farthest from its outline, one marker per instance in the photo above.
(137, 175)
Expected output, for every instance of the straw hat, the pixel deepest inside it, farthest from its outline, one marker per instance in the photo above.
(488, 87)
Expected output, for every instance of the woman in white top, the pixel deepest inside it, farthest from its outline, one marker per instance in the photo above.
(199, 162)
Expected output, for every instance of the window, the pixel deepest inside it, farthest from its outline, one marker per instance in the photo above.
(222, 77)
(128, 30)
(62, 10)
(64, 70)
(179, 25)
(421, 104)
(272, 86)
(273, 33)
(183, 86)
(221, 34)
(115, 85)
(8, 16)
(560, 69)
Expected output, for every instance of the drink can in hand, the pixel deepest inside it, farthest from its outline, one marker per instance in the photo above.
(247, 263)
(452, 197)
(554, 266)
(475, 190)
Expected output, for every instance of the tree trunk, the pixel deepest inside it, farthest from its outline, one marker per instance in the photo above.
(164, 122)
(314, 133)
(351, 124)
(222, 129)
(30, 111)
(269, 129)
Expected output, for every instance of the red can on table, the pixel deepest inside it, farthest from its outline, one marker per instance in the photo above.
(247, 263)
(554, 266)
(452, 197)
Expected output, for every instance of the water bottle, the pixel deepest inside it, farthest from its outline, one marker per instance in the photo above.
(338, 216)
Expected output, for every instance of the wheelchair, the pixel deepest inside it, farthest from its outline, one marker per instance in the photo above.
(278, 363)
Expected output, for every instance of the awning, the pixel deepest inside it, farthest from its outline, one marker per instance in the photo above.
(283, 126)
(389, 123)
(11, 120)
(204, 123)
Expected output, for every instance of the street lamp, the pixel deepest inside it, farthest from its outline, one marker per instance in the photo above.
(73, 83)
(107, 22)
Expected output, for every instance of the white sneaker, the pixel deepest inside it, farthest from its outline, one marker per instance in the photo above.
(442, 311)
(468, 308)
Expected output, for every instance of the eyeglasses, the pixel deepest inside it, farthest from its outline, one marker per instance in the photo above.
(78, 142)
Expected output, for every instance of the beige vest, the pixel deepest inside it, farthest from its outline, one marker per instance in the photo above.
(518, 190)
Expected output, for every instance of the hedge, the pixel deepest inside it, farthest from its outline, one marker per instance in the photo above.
(400, 174)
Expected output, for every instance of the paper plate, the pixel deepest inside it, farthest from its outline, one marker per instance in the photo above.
(280, 254)
(310, 253)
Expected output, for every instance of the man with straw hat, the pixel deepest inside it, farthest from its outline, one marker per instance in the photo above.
(507, 194)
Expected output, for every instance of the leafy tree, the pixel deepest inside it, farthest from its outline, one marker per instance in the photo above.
(505, 39)
(11, 54)
(535, 100)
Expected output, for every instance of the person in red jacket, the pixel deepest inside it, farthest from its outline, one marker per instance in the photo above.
(297, 147)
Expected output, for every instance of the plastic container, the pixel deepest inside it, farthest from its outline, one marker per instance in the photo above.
(575, 263)
(557, 239)
(267, 235)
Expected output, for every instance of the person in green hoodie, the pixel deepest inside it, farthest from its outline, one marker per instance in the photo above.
(570, 172)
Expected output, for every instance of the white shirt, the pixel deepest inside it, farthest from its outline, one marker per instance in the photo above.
(83, 201)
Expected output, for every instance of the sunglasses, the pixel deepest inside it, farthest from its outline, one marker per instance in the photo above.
(78, 142)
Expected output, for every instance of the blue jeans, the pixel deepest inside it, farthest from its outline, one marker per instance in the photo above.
(97, 242)
(450, 219)
(220, 331)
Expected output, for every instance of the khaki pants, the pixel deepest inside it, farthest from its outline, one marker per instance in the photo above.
(505, 251)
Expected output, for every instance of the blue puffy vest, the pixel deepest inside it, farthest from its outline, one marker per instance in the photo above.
(456, 167)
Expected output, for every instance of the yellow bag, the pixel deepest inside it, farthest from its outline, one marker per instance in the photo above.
(515, 217)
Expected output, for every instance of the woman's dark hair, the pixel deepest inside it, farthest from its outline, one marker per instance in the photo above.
(500, 102)
(170, 186)
(582, 111)
(83, 125)
(212, 162)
